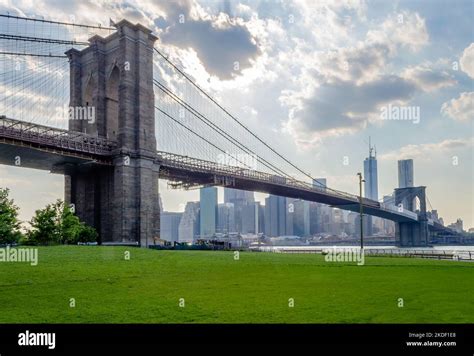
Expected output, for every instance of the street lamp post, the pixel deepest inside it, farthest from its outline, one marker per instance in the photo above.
(361, 211)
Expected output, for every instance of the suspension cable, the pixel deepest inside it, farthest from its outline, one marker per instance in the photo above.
(230, 115)
(57, 22)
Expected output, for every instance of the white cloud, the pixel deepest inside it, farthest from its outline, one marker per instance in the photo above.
(341, 108)
(467, 60)
(405, 29)
(428, 79)
(426, 151)
(341, 90)
(460, 109)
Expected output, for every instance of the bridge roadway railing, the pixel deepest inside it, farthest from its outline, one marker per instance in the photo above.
(395, 209)
(189, 163)
(54, 137)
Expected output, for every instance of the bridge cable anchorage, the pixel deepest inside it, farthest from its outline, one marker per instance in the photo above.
(216, 128)
(230, 115)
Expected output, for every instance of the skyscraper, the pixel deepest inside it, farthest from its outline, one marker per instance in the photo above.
(270, 216)
(316, 209)
(241, 199)
(189, 224)
(370, 175)
(275, 216)
(250, 218)
(169, 225)
(371, 184)
(225, 218)
(283, 216)
(289, 217)
(261, 218)
(405, 173)
(238, 196)
(301, 222)
(208, 211)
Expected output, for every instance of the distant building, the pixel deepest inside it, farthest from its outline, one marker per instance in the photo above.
(225, 218)
(208, 211)
(160, 203)
(433, 214)
(169, 225)
(240, 199)
(321, 218)
(275, 216)
(371, 184)
(261, 218)
(236, 196)
(189, 224)
(388, 225)
(457, 226)
(250, 217)
(289, 217)
(389, 199)
(271, 216)
(301, 218)
(405, 173)
(282, 217)
(316, 209)
(370, 175)
(320, 183)
(352, 220)
(336, 226)
(313, 216)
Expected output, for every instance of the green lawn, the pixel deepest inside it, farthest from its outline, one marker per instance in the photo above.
(218, 289)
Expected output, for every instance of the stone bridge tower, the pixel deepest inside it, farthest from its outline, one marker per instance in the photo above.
(412, 233)
(113, 78)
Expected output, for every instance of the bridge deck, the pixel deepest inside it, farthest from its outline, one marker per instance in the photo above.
(44, 147)
(58, 139)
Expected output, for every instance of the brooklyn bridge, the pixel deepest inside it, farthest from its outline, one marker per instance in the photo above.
(134, 117)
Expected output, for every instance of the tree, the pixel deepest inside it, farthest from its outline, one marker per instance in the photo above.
(57, 224)
(87, 234)
(70, 226)
(44, 227)
(9, 223)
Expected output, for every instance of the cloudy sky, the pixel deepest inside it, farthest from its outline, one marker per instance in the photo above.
(313, 79)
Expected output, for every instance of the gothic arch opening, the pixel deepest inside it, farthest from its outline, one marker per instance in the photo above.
(112, 104)
(88, 125)
(403, 204)
(416, 204)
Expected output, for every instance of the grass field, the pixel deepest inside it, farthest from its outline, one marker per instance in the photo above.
(107, 288)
